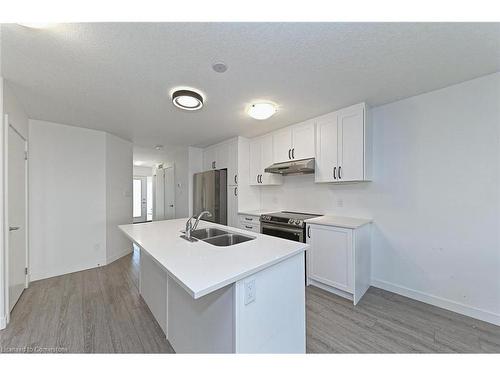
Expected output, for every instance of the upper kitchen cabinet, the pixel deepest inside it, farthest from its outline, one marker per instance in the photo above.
(294, 142)
(261, 157)
(216, 157)
(210, 158)
(343, 146)
(232, 163)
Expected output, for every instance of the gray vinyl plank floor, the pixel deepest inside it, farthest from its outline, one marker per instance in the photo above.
(384, 322)
(93, 311)
(100, 311)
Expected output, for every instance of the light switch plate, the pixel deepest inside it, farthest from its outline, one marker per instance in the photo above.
(250, 292)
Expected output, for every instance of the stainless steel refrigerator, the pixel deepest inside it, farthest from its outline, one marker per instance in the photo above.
(210, 194)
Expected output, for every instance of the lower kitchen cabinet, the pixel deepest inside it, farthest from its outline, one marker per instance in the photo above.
(249, 222)
(338, 259)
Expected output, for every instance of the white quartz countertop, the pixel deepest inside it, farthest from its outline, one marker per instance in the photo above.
(201, 268)
(339, 221)
(256, 212)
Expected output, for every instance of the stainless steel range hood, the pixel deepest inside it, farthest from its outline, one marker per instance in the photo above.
(305, 166)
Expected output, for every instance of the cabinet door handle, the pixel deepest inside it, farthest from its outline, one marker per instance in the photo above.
(293, 153)
(260, 179)
(248, 219)
(235, 191)
(257, 178)
(308, 231)
(340, 176)
(248, 227)
(334, 173)
(289, 153)
(235, 178)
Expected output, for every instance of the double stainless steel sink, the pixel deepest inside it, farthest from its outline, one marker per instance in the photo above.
(219, 237)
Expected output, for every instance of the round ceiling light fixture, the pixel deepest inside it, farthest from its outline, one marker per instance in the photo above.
(262, 111)
(187, 99)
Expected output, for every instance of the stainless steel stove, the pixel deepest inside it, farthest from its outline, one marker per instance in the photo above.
(286, 224)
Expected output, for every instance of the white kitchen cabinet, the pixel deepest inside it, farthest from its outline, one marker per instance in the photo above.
(326, 162)
(222, 155)
(294, 142)
(216, 156)
(232, 163)
(261, 157)
(282, 145)
(343, 146)
(232, 206)
(249, 222)
(210, 158)
(338, 259)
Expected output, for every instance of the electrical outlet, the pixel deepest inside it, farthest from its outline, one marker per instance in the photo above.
(250, 292)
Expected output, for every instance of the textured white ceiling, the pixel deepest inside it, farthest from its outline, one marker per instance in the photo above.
(116, 76)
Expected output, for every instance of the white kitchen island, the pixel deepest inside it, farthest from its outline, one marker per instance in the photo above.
(244, 298)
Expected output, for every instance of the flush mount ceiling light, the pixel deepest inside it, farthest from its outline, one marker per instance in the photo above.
(158, 147)
(187, 99)
(262, 111)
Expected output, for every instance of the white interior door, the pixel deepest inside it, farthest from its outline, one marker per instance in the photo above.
(139, 199)
(16, 195)
(169, 193)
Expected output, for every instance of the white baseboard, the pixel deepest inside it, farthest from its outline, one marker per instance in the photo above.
(3, 322)
(330, 289)
(444, 303)
(118, 256)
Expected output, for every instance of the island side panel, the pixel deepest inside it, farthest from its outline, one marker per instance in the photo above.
(362, 261)
(275, 322)
(203, 325)
(153, 288)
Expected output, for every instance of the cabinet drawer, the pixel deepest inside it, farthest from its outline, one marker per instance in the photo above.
(252, 227)
(249, 219)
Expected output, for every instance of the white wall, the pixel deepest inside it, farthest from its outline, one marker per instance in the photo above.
(67, 196)
(435, 197)
(17, 115)
(179, 159)
(143, 171)
(118, 195)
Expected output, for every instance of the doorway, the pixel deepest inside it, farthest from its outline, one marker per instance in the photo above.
(16, 198)
(164, 193)
(140, 199)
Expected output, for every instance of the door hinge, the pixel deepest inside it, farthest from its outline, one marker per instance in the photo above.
(25, 270)
(25, 155)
